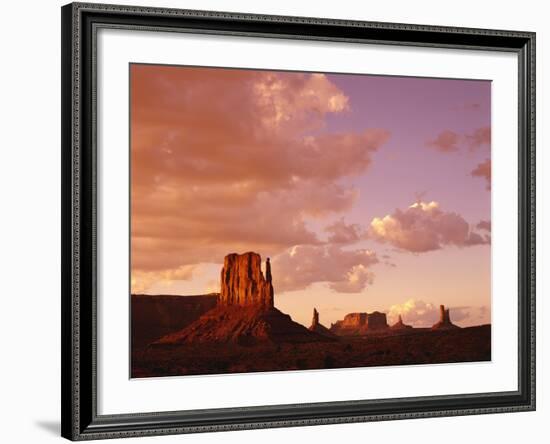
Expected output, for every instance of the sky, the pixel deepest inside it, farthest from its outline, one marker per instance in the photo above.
(367, 192)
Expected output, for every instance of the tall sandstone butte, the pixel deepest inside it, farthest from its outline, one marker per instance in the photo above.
(245, 313)
(243, 283)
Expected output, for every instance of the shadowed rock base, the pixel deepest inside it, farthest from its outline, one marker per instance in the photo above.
(154, 316)
(242, 325)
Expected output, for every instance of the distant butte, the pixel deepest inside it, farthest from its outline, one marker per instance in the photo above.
(444, 320)
(355, 324)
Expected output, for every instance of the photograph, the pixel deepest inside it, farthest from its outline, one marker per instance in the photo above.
(289, 220)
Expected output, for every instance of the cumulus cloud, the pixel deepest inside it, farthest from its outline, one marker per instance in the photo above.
(345, 271)
(424, 227)
(483, 170)
(414, 312)
(418, 313)
(288, 99)
(234, 160)
(446, 142)
(342, 233)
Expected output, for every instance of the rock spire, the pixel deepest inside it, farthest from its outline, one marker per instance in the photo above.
(315, 320)
(317, 327)
(444, 320)
(400, 325)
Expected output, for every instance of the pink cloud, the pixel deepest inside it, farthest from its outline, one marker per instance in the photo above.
(289, 100)
(342, 233)
(446, 142)
(424, 227)
(234, 160)
(483, 170)
(449, 141)
(484, 225)
(345, 271)
(479, 137)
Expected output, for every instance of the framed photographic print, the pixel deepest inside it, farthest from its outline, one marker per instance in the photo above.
(281, 221)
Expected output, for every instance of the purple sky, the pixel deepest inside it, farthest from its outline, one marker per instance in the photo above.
(416, 110)
(368, 192)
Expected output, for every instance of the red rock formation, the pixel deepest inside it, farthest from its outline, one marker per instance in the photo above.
(243, 283)
(360, 323)
(317, 327)
(444, 320)
(245, 313)
(352, 324)
(400, 325)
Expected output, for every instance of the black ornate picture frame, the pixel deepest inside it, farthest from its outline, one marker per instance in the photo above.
(80, 420)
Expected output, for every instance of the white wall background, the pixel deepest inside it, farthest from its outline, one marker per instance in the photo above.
(30, 220)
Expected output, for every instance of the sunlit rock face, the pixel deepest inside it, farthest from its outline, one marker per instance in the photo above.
(243, 283)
